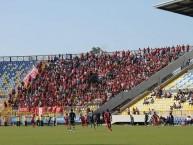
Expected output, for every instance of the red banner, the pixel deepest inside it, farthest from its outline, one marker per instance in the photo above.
(32, 74)
(23, 110)
(49, 109)
(32, 110)
(26, 79)
(53, 109)
(59, 109)
(41, 110)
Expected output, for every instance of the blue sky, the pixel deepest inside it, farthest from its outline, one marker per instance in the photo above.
(32, 27)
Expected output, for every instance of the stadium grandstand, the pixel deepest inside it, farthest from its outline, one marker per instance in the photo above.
(140, 97)
(157, 79)
(173, 95)
(123, 81)
(57, 83)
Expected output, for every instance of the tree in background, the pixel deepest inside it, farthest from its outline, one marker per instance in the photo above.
(96, 50)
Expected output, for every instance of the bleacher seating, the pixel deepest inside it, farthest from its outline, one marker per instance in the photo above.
(184, 81)
(179, 120)
(161, 104)
(11, 74)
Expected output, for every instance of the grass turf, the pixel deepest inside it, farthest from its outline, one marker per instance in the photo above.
(138, 135)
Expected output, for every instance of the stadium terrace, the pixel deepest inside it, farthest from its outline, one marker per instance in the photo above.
(135, 91)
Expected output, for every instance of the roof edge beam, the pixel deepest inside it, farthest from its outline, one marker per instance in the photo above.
(167, 3)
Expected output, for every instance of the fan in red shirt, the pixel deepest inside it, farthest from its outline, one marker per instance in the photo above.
(108, 118)
(66, 119)
(82, 120)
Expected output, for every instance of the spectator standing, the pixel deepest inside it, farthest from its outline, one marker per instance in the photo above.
(146, 119)
(49, 121)
(37, 120)
(18, 120)
(5, 120)
(41, 121)
(54, 120)
(171, 119)
(131, 120)
(188, 120)
(25, 120)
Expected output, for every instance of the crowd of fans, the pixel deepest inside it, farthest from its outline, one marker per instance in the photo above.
(91, 78)
(180, 97)
(148, 101)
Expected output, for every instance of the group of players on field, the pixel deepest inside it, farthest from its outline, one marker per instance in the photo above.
(159, 120)
(90, 118)
(155, 120)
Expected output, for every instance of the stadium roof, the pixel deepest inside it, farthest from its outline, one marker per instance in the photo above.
(184, 7)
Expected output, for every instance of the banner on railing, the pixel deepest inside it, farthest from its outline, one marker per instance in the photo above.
(41, 110)
(32, 74)
(23, 110)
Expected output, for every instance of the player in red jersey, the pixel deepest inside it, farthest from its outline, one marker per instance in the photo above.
(108, 118)
(155, 118)
(66, 119)
(86, 120)
(82, 120)
(33, 120)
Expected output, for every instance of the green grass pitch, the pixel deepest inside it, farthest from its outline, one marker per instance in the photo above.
(138, 135)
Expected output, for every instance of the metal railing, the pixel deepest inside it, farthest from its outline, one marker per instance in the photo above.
(62, 56)
(31, 58)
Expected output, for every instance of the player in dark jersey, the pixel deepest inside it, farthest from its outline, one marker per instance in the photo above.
(108, 118)
(49, 121)
(95, 120)
(72, 117)
(91, 119)
(146, 118)
(66, 119)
